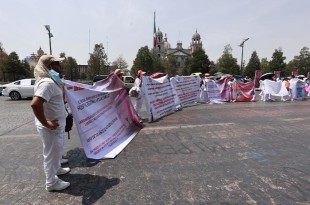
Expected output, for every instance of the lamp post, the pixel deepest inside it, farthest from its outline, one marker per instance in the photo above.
(241, 45)
(50, 35)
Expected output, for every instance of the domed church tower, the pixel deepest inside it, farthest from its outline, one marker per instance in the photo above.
(196, 42)
(160, 43)
(166, 43)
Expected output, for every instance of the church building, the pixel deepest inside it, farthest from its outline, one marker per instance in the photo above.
(164, 50)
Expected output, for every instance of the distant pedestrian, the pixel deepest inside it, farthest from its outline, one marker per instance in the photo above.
(50, 117)
(139, 99)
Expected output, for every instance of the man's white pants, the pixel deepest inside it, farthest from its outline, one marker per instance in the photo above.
(53, 144)
(138, 104)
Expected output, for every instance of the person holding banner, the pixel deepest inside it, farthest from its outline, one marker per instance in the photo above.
(139, 99)
(286, 84)
(205, 90)
(119, 73)
(50, 118)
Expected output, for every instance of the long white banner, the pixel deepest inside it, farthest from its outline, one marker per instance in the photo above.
(273, 88)
(104, 116)
(187, 89)
(159, 97)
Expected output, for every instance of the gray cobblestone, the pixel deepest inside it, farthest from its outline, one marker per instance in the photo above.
(236, 153)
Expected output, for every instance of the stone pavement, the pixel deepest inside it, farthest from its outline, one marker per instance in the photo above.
(236, 153)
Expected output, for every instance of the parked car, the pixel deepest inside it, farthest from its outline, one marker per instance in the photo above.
(19, 89)
(98, 78)
(129, 82)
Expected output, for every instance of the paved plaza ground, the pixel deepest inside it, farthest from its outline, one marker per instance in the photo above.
(236, 153)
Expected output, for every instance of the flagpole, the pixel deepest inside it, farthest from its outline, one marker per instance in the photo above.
(154, 32)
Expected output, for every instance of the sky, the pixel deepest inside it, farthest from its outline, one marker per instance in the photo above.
(124, 26)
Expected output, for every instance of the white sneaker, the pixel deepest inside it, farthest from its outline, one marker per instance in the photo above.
(64, 161)
(60, 185)
(62, 171)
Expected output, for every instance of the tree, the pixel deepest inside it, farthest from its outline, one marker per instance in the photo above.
(158, 63)
(98, 62)
(3, 58)
(143, 61)
(199, 62)
(170, 65)
(227, 63)
(254, 64)
(83, 76)
(69, 67)
(12, 66)
(213, 68)
(120, 63)
(277, 61)
(264, 65)
(25, 70)
(300, 63)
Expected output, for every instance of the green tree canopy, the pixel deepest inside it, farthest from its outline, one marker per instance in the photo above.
(3, 58)
(254, 64)
(199, 62)
(69, 67)
(13, 67)
(143, 61)
(264, 65)
(300, 63)
(98, 62)
(227, 63)
(158, 63)
(170, 66)
(277, 61)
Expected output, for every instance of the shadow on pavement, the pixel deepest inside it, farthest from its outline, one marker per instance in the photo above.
(77, 158)
(90, 187)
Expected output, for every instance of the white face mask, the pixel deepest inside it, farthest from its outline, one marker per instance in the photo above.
(55, 76)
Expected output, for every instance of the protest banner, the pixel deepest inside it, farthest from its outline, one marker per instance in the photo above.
(159, 97)
(298, 89)
(258, 74)
(273, 88)
(186, 89)
(243, 92)
(104, 116)
(224, 88)
(213, 92)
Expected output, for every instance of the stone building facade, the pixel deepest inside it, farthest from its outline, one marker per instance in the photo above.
(164, 50)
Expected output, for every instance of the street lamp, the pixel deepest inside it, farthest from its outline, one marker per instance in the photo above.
(241, 45)
(50, 35)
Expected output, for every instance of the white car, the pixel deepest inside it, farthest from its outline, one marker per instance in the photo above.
(19, 89)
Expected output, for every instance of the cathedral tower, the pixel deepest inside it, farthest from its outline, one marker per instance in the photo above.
(196, 42)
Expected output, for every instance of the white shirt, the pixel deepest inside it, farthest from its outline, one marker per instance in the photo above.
(54, 107)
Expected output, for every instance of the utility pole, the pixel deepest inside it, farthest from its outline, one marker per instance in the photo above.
(50, 35)
(242, 45)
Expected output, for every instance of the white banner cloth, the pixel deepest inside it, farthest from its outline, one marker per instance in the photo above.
(298, 89)
(273, 88)
(159, 97)
(187, 89)
(214, 92)
(104, 116)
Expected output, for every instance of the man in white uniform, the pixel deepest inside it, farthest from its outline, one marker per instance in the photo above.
(50, 119)
(139, 99)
